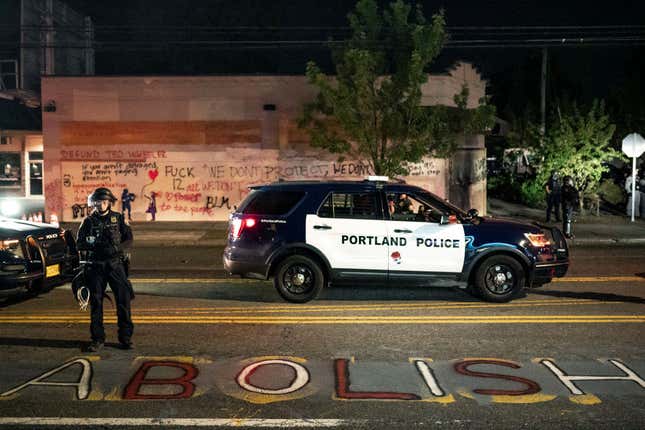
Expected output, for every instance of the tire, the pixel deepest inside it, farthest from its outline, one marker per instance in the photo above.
(499, 278)
(299, 279)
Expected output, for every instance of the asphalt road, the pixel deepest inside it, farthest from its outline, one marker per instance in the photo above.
(213, 352)
(207, 261)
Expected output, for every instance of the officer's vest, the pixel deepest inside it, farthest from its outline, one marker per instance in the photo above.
(108, 229)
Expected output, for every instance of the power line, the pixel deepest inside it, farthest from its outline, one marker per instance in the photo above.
(153, 37)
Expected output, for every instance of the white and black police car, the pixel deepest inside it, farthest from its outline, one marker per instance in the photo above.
(34, 256)
(306, 235)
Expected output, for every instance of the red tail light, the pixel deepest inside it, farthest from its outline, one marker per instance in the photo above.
(239, 224)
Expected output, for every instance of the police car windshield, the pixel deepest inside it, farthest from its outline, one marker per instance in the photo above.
(446, 207)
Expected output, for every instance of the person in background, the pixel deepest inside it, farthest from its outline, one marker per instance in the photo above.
(636, 197)
(570, 200)
(404, 204)
(391, 207)
(641, 185)
(553, 195)
(126, 203)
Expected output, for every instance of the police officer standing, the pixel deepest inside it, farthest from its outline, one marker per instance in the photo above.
(570, 199)
(105, 236)
(553, 196)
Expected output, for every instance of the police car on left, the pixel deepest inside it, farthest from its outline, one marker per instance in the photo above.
(34, 256)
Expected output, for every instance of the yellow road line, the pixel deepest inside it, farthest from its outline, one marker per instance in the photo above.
(338, 318)
(355, 321)
(360, 308)
(349, 317)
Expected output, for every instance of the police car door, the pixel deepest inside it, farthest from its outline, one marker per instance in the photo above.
(418, 241)
(349, 230)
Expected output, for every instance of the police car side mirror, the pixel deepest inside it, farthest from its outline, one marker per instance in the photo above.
(472, 213)
(445, 219)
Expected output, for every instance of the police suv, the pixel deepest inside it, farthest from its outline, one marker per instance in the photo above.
(306, 235)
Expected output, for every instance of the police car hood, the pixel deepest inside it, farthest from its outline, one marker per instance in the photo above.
(495, 222)
(17, 229)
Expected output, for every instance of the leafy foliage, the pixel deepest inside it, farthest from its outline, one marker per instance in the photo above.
(577, 144)
(372, 110)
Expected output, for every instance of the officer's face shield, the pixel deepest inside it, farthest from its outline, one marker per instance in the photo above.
(100, 205)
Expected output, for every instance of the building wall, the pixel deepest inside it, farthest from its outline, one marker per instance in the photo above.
(196, 142)
(17, 199)
(53, 39)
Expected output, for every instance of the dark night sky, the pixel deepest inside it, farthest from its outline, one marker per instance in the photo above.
(591, 70)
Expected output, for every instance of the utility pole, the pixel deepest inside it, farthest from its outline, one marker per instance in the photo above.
(543, 94)
(89, 46)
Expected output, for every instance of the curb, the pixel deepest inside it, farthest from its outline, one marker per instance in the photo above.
(170, 243)
(217, 272)
(607, 241)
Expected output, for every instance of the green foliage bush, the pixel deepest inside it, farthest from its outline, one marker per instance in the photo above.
(532, 193)
(611, 192)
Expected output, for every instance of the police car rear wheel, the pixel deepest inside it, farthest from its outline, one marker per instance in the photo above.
(499, 278)
(299, 279)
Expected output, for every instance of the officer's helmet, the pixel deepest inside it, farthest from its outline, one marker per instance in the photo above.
(101, 193)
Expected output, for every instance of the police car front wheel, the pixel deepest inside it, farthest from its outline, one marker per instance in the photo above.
(299, 279)
(499, 278)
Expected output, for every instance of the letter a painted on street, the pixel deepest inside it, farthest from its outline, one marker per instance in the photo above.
(82, 385)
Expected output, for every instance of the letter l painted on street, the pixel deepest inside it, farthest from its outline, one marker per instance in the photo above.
(344, 392)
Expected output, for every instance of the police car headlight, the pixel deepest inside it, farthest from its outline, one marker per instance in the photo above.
(537, 240)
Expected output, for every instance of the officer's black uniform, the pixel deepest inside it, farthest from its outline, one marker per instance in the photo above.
(553, 196)
(570, 199)
(105, 238)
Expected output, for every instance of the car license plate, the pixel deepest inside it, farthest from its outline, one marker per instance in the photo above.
(53, 270)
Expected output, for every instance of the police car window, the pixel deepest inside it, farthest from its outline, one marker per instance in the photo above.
(350, 205)
(407, 207)
(270, 202)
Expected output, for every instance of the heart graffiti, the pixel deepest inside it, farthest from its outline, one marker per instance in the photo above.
(152, 174)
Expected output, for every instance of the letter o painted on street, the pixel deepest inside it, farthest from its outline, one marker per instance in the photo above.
(301, 379)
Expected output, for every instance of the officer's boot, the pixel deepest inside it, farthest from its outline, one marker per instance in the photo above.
(567, 227)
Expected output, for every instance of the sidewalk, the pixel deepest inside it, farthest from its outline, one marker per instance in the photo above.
(589, 230)
(174, 233)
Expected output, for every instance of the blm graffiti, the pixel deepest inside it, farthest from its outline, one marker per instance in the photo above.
(203, 186)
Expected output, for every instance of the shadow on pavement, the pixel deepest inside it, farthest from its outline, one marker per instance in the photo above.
(601, 297)
(20, 297)
(43, 343)
(52, 343)
(264, 292)
(394, 293)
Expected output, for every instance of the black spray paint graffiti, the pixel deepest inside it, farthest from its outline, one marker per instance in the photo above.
(79, 210)
(212, 202)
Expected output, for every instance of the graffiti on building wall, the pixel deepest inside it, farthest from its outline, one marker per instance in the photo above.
(198, 186)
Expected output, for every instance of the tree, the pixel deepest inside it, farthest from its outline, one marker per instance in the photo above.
(577, 144)
(371, 111)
